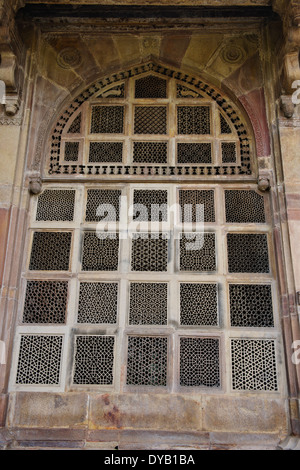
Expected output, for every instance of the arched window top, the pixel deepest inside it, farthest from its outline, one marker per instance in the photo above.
(151, 121)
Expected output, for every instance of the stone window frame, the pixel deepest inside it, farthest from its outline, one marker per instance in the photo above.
(172, 277)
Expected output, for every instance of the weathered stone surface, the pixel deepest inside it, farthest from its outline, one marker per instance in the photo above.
(143, 411)
(46, 410)
(244, 415)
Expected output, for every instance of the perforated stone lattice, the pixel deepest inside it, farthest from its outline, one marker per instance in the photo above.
(150, 152)
(75, 127)
(189, 199)
(199, 362)
(224, 126)
(154, 202)
(94, 360)
(56, 205)
(244, 206)
(100, 254)
(39, 360)
(148, 303)
(247, 253)
(150, 120)
(98, 302)
(198, 304)
(45, 302)
(194, 153)
(149, 253)
(50, 251)
(193, 120)
(147, 360)
(253, 364)
(150, 87)
(71, 151)
(103, 204)
(203, 257)
(251, 305)
(106, 152)
(107, 120)
(228, 152)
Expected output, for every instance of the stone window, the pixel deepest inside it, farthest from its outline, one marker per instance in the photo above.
(178, 294)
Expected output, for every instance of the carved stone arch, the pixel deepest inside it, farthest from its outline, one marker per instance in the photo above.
(229, 106)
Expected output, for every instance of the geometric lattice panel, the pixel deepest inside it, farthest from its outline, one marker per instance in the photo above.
(228, 152)
(45, 302)
(100, 254)
(253, 364)
(224, 126)
(251, 305)
(107, 120)
(71, 151)
(50, 251)
(56, 205)
(150, 120)
(194, 202)
(75, 126)
(148, 303)
(149, 252)
(199, 362)
(195, 153)
(94, 360)
(147, 360)
(39, 359)
(98, 302)
(197, 252)
(150, 205)
(193, 120)
(247, 253)
(102, 203)
(150, 87)
(150, 152)
(244, 206)
(198, 304)
(102, 152)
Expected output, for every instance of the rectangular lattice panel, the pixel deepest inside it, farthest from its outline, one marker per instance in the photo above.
(147, 360)
(253, 364)
(228, 152)
(244, 206)
(71, 151)
(247, 253)
(107, 120)
(199, 362)
(106, 152)
(151, 87)
(103, 204)
(197, 252)
(50, 251)
(148, 303)
(45, 302)
(194, 153)
(251, 305)
(94, 360)
(193, 120)
(100, 254)
(150, 205)
(149, 252)
(197, 205)
(198, 304)
(150, 120)
(39, 360)
(56, 205)
(98, 302)
(150, 152)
